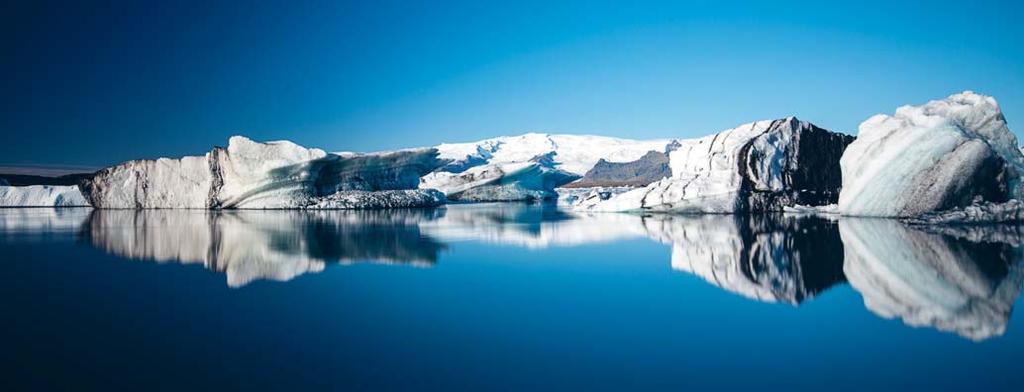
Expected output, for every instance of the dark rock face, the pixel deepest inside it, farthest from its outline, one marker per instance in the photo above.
(811, 174)
(651, 167)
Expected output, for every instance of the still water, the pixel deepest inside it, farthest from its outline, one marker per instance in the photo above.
(503, 296)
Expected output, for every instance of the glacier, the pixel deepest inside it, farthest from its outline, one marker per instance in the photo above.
(942, 155)
(273, 175)
(530, 166)
(760, 166)
(42, 196)
(574, 154)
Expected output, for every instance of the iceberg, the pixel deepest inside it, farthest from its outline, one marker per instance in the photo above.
(274, 175)
(956, 279)
(41, 196)
(945, 154)
(760, 166)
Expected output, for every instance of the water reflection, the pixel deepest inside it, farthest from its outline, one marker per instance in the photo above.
(764, 257)
(275, 245)
(960, 279)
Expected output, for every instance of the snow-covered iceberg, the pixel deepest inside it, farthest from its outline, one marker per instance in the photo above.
(41, 196)
(532, 165)
(264, 245)
(945, 154)
(763, 257)
(761, 166)
(961, 281)
(281, 174)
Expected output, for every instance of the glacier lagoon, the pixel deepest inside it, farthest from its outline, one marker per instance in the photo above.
(508, 296)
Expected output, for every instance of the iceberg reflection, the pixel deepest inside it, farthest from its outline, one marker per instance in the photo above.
(769, 258)
(275, 245)
(960, 279)
(531, 225)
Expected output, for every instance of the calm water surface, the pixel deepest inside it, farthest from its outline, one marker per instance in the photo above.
(504, 296)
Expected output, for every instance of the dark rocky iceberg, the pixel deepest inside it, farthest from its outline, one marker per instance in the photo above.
(756, 167)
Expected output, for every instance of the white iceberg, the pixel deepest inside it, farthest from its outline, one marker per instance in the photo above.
(41, 196)
(274, 175)
(945, 154)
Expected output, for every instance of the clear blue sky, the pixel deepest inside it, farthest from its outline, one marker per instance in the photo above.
(95, 84)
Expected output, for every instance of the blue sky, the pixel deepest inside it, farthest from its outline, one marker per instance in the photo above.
(95, 84)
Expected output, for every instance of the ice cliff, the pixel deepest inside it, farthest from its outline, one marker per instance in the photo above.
(761, 166)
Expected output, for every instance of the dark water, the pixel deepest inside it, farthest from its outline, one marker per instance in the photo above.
(505, 296)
